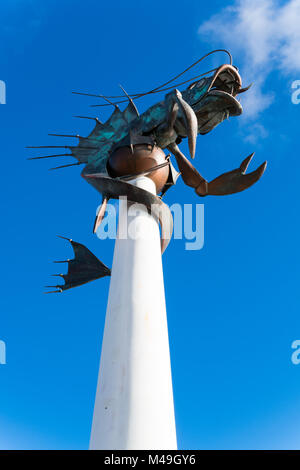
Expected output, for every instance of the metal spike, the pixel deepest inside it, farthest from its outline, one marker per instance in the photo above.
(129, 98)
(88, 117)
(66, 135)
(65, 166)
(85, 94)
(135, 95)
(49, 147)
(100, 105)
(59, 291)
(66, 261)
(65, 238)
(245, 163)
(51, 156)
(57, 275)
(108, 101)
(242, 90)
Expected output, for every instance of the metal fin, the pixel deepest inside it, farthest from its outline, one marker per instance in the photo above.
(83, 268)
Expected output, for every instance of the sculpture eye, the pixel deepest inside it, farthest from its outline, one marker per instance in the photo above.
(199, 84)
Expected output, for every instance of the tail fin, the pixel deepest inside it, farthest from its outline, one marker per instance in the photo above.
(85, 267)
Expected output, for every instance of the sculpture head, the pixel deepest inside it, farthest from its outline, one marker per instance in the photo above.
(213, 98)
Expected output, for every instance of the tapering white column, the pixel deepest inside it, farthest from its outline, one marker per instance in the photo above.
(134, 399)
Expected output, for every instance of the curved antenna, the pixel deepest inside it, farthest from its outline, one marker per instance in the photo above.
(109, 102)
(160, 87)
(193, 65)
(150, 92)
(139, 95)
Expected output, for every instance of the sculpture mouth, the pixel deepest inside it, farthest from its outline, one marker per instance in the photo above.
(226, 78)
(226, 84)
(220, 101)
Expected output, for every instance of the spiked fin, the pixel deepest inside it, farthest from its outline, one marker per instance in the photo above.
(104, 137)
(130, 113)
(85, 267)
(94, 149)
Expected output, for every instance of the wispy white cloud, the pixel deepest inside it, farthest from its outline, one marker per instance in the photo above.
(264, 35)
(257, 132)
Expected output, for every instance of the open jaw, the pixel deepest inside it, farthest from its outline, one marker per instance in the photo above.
(219, 103)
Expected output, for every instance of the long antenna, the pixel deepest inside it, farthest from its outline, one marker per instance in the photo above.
(159, 88)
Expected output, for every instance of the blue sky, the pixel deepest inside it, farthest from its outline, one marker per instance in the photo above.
(233, 307)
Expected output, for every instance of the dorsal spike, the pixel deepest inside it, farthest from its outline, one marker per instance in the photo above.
(65, 166)
(77, 136)
(49, 147)
(88, 117)
(51, 156)
(110, 102)
(116, 120)
(130, 100)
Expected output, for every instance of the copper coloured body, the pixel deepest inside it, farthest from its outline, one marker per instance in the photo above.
(137, 159)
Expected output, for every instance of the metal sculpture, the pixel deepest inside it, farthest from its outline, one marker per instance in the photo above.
(85, 267)
(128, 145)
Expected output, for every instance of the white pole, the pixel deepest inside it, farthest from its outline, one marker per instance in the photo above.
(134, 399)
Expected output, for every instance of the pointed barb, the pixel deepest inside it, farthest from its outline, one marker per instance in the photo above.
(51, 156)
(58, 291)
(48, 147)
(66, 135)
(65, 238)
(109, 102)
(255, 175)
(85, 94)
(245, 163)
(65, 166)
(242, 90)
(87, 117)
